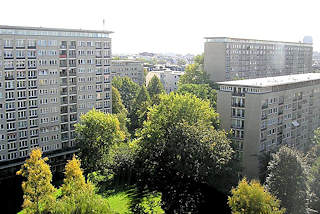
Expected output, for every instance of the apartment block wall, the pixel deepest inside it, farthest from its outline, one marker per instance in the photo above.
(129, 68)
(228, 59)
(46, 83)
(271, 118)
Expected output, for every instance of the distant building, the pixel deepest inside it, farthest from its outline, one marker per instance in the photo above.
(129, 68)
(168, 78)
(228, 59)
(266, 113)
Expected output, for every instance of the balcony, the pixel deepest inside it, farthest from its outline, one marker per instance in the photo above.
(72, 73)
(63, 73)
(264, 106)
(64, 119)
(63, 56)
(237, 94)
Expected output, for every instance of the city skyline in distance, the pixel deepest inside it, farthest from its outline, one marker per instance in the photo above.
(172, 26)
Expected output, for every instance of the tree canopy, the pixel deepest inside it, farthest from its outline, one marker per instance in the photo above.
(179, 149)
(252, 198)
(140, 109)
(287, 180)
(38, 190)
(127, 89)
(155, 88)
(97, 131)
(202, 91)
(194, 73)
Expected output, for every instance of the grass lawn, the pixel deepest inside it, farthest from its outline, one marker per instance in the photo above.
(119, 201)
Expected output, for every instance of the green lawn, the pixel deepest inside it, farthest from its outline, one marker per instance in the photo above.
(119, 202)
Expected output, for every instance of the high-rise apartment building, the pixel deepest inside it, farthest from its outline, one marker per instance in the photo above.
(228, 59)
(265, 113)
(48, 78)
(128, 68)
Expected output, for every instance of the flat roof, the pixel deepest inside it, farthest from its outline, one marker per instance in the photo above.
(273, 81)
(52, 29)
(230, 39)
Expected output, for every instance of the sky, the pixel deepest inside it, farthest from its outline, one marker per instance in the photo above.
(172, 26)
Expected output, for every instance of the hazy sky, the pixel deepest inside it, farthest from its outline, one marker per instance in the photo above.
(175, 26)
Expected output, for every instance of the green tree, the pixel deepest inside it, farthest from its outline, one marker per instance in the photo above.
(202, 91)
(180, 153)
(314, 183)
(96, 132)
(77, 195)
(252, 198)
(155, 88)
(287, 180)
(117, 105)
(38, 190)
(119, 110)
(140, 109)
(127, 89)
(194, 73)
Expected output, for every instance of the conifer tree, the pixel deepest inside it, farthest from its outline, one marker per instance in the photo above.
(38, 190)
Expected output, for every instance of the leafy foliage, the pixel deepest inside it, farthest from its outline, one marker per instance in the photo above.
(252, 198)
(202, 91)
(314, 181)
(77, 195)
(38, 190)
(180, 151)
(119, 110)
(287, 180)
(140, 109)
(127, 89)
(97, 131)
(155, 88)
(194, 73)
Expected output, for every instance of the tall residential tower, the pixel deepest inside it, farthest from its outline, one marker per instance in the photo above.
(48, 78)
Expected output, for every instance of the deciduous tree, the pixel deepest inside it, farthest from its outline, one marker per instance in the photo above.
(38, 190)
(140, 109)
(155, 88)
(287, 180)
(96, 132)
(180, 151)
(202, 91)
(252, 198)
(127, 89)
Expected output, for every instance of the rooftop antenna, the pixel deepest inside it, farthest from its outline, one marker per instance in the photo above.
(103, 24)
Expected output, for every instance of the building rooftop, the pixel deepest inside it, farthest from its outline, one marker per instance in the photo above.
(230, 39)
(273, 81)
(41, 31)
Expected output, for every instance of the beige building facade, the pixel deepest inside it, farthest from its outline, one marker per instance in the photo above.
(129, 68)
(227, 59)
(49, 77)
(266, 113)
(169, 79)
